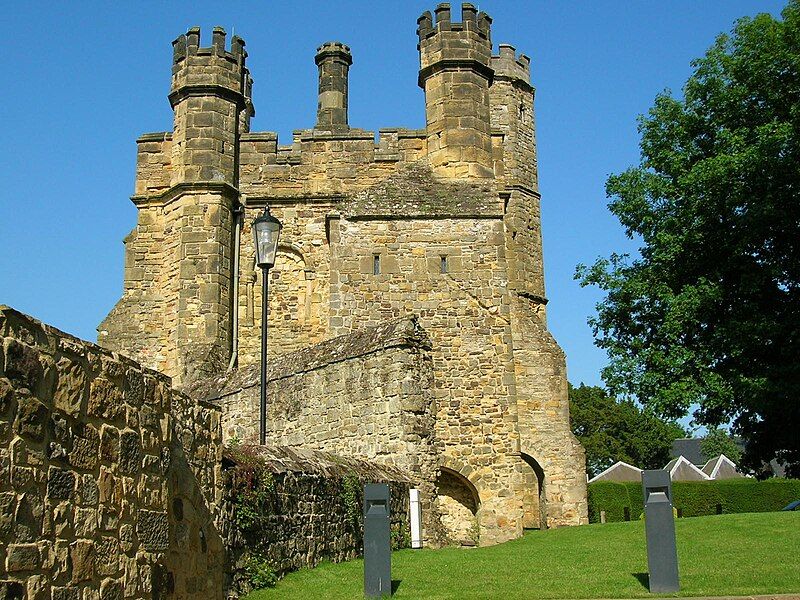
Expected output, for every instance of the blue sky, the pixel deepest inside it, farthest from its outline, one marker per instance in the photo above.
(84, 79)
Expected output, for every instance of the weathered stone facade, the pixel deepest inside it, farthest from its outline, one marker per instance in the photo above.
(441, 223)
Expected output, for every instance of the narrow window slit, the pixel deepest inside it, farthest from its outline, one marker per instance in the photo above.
(443, 264)
(376, 264)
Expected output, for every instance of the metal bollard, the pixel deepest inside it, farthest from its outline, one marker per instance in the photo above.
(377, 541)
(662, 552)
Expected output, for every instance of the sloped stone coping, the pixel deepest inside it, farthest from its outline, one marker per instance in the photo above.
(400, 332)
(282, 459)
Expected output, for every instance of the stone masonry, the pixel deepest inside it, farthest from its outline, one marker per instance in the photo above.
(441, 223)
(114, 485)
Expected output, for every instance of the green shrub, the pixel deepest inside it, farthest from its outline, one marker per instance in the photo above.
(611, 497)
(695, 498)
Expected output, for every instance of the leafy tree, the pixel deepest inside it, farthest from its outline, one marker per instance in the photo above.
(718, 441)
(612, 430)
(709, 313)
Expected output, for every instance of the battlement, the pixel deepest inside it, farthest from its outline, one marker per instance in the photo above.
(507, 64)
(471, 20)
(211, 67)
(188, 44)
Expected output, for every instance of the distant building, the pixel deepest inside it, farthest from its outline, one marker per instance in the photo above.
(680, 469)
(721, 467)
(619, 472)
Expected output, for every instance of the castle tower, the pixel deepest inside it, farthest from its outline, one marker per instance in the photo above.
(455, 73)
(210, 97)
(334, 60)
(511, 99)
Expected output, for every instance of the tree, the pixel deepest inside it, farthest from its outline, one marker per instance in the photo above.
(709, 313)
(612, 430)
(718, 441)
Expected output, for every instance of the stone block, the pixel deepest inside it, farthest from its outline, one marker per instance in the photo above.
(107, 556)
(66, 593)
(109, 444)
(105, 399)
(28, 517)
(86, 522)
(152, 529)
(82, 555)
(70, 386)
(13, 590)
(23, 557)
(31, 419)
(8, 504)
(60, 484)
(6, 396)
(106, 486)
(22, 364)
(88, 492)
(130, 452)
(85, 447)
(111, 589)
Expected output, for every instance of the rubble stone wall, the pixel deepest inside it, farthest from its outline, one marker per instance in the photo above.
(367, 394)
(309, 505)
(109, 479)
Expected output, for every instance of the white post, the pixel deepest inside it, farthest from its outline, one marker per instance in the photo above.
(416, 519)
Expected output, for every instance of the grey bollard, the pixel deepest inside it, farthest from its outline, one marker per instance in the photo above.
(662, 553)
(377, 541)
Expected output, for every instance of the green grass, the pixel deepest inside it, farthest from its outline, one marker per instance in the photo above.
(719, 555)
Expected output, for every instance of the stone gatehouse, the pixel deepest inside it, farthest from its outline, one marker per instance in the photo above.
(407, 305)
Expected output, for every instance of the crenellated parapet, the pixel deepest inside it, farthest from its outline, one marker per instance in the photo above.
(444, 43)
(513, 67)
(455, 73)
(200, 71)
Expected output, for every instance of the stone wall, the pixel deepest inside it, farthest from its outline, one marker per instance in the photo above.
(109, 478)
(368, 394)
(309, 508)
(112, 484)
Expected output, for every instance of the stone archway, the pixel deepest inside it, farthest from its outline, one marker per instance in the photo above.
(458, 503)
(534, 503)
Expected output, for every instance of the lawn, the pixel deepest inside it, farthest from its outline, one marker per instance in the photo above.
(755, 553)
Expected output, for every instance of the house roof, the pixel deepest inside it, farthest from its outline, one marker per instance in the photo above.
(619, 471)
(680, 469)
(690, 449)
(721, 467)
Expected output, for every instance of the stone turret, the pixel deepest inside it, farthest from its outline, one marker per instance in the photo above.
(210, 95)
(455, 73)
(511, 98)
(334, 60)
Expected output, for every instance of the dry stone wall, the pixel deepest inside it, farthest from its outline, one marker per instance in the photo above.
(367, 394)
(113, 485)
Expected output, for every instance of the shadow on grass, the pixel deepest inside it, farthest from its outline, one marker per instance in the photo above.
(395, 585)
(644, 579)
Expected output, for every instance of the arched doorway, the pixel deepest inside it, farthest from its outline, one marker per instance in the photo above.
(533, 498)
(458, 503)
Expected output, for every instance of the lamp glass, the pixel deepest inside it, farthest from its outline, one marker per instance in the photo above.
(266, 231)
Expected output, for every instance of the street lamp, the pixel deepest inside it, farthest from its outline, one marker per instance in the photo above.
(266, 230)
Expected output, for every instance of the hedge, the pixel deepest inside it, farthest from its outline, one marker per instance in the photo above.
(623, 501)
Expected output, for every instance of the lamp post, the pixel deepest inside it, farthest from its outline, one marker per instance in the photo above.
(266, 230)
